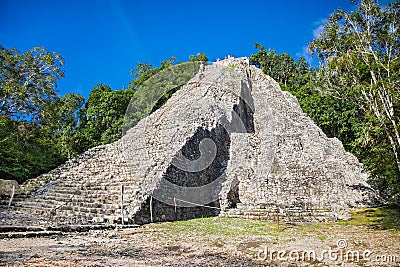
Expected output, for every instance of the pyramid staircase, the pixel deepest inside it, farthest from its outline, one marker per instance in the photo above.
(96, 197)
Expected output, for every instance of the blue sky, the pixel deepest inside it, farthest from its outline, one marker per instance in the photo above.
(102, 40)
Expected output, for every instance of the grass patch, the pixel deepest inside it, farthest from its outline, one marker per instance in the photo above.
(219, 230)
(386, 217)
(224, 227)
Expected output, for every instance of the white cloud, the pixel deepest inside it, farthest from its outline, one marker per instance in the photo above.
(306, 54)
(320, 27)
(316, 32)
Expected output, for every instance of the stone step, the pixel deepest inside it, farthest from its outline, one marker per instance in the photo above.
(87, 210)
(48, 203)
(316, 215)
(35, 206)
(93, 198)
(68, 215)
(106, 206)
(29, 234)
(34, 209)
(63, 216)
(67, 187)
(106, 189)
(5, 202)
(110, 187)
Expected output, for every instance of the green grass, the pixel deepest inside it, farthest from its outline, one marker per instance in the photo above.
(232, 66)
(224, 227)
(387, 217)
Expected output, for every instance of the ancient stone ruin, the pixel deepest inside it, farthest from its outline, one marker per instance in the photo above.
(230, 142)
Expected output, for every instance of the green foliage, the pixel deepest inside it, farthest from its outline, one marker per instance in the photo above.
(199, 57)
(64, 124)
(142, 72)
(164, 98)
(102, 117)
(387, 217)
(27, 110)
(107, 114)
(281, 67)
(25, 150)
(360, 51)
(232, 66)
(156, 90)
(27, 82)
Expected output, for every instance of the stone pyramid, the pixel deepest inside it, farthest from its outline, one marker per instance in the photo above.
(230, 142)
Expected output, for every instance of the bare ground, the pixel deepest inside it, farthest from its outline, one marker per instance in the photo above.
(210, 242)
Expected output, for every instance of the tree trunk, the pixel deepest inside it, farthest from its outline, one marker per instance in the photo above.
(394, 148)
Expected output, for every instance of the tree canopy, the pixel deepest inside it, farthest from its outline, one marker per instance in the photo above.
(360, 53)
(28, 82)
(27, 115)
